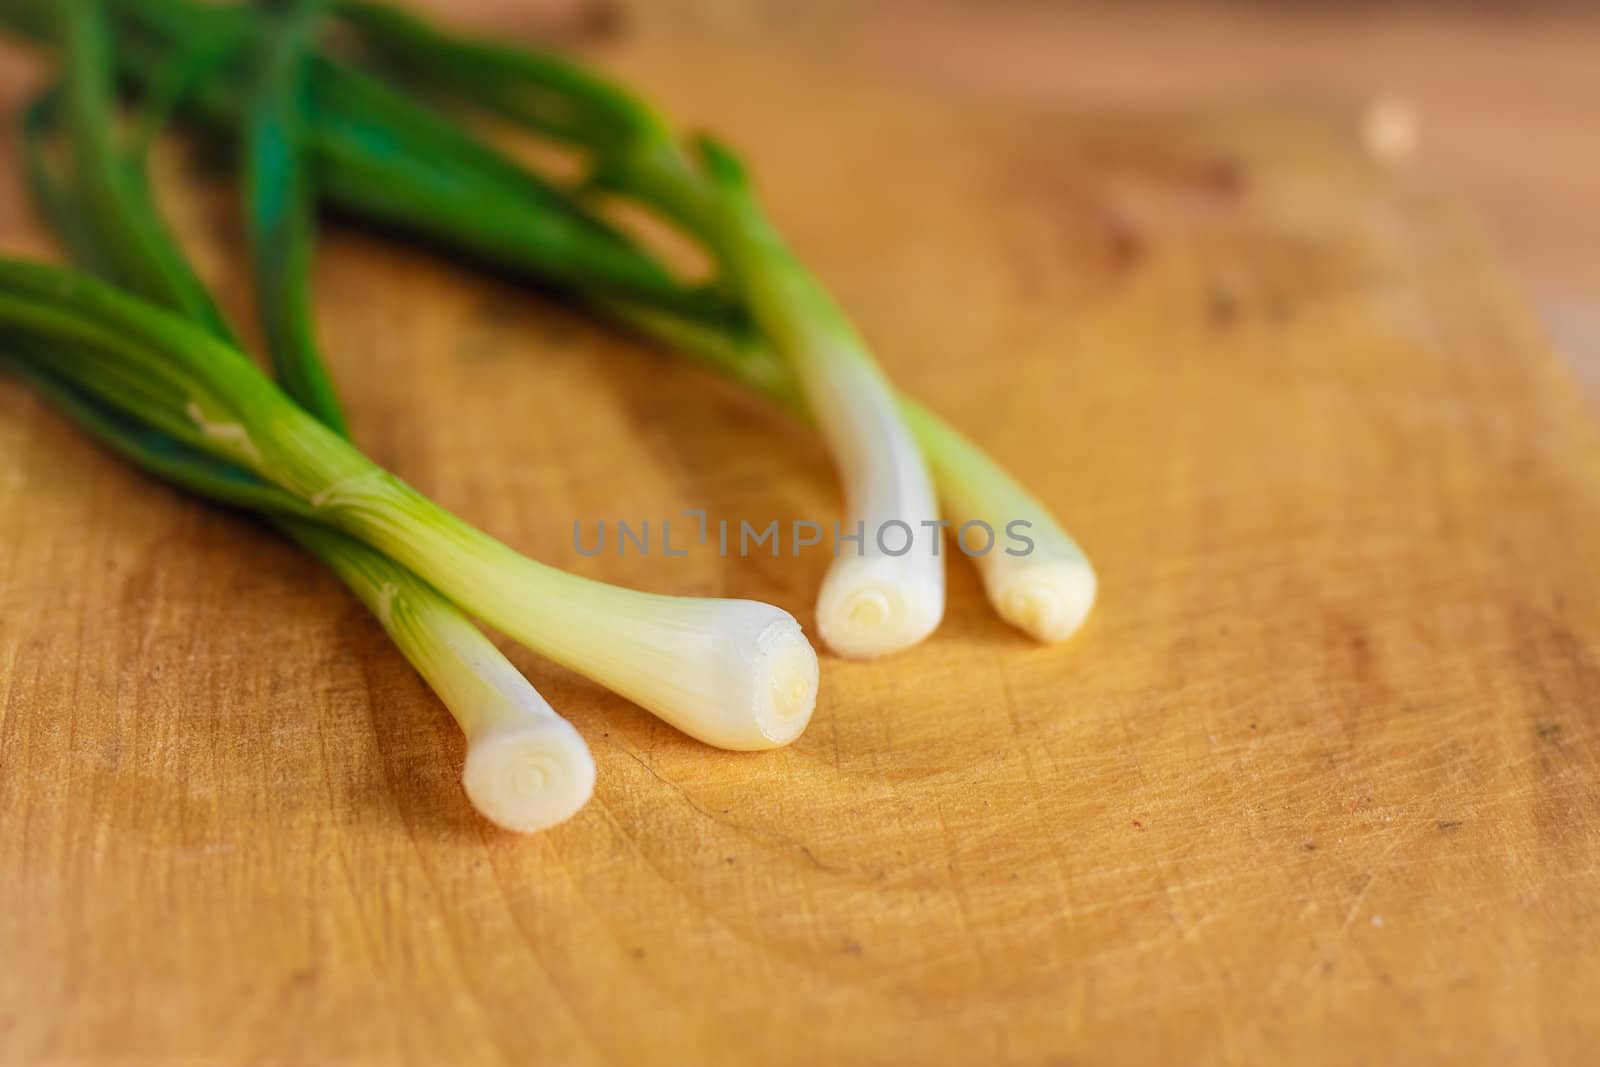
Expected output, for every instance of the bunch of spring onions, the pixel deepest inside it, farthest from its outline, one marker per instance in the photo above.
(382, 142)
(358, 105)
(144, 361)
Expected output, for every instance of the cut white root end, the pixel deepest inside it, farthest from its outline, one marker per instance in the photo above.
(1048, 592)
(737, 674)
(528, 776)
(785, 688)
(527, 768)
(871, 606)
(1047, 599)
(874, 602)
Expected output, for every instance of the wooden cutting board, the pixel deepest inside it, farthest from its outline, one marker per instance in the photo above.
(1318, 783)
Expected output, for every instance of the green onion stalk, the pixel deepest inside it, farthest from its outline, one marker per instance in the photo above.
(526, 768)
(171, 392)
(889, 593)
(776, 327)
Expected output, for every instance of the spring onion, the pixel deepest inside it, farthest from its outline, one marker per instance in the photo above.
(887, 595)
(876, 599)
(526, 768)
(884, 594)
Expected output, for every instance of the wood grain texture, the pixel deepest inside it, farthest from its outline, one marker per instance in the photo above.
(1503, 96)
(1318, 784)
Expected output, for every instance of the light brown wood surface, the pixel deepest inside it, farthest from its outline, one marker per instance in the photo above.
(1318, 784)
(1503, 95)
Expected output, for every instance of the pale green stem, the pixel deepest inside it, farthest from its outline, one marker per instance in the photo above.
(526, 768)
(886, 593)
